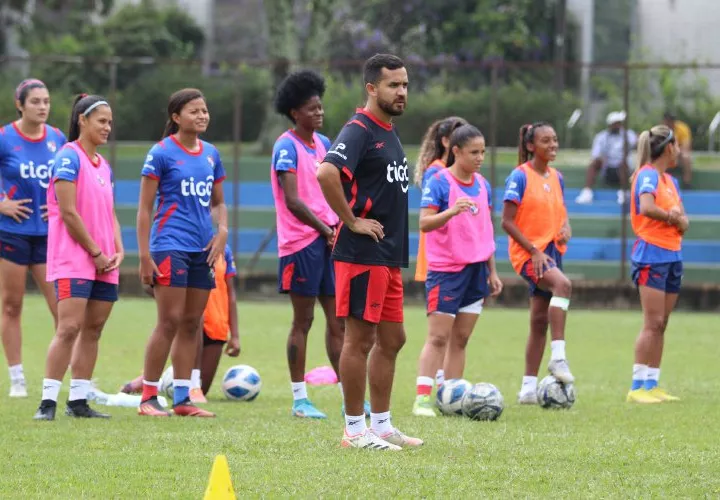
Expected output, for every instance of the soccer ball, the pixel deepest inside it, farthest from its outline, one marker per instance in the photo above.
(166, 382)
(450, 395)
(483, 402)
(552, 393)
(241, 383)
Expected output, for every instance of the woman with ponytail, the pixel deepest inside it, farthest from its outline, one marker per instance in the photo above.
(178, 253)
(84, 253)
(659, 222)
(535, 218)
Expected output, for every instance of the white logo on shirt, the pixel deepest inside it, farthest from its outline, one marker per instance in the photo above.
(426, 191)
(399, 173)
(202, 190)
(52, 147)
(646, 181)
(512, 185)
(546, 187)
(39, 172)
(148, 161)
(340, 147)
(211, 161)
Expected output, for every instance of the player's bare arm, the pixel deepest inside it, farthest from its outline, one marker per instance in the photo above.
(288, 182)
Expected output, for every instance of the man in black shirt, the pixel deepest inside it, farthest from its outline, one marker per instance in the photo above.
(365, 180)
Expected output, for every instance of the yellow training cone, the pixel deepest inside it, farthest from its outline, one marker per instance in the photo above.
(220, 486)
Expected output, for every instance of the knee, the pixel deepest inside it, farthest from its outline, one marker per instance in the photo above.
(168, 325)
(302, 325)
(358, 345)
(438, 339)
(656, 324)
(68, 330)
(461, 338)
(189, 325)
(563, 288)
(92, 331)
(392, 344)
(11, 307)
(539, 323)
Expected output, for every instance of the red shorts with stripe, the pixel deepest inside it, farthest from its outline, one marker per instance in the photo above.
(370, 293)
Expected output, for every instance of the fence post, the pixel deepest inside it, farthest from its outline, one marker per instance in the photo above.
(237, 145)
(113, 65)
(493, 128)
(624, 184)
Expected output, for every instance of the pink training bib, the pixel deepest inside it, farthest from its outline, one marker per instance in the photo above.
(294, 235)
(94, 202)
(468, 237)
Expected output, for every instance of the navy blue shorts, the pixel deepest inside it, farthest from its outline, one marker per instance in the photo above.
(449, 293)
(184, 269)
(665, 276)
(528, 272)
(308, 272)
(22, 249)
(66, 288)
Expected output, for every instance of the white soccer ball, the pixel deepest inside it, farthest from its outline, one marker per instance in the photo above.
(483, 402)
(166, 382)
(450, 395)
(241, 383)
(554, 394)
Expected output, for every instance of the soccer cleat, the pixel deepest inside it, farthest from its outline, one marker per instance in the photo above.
(80, 409)
(560, 369)
(188, 409)
(423, 407)
(399, 439)
(18, 388)
(641, 396)
(585, 197)
(152, 408)
(660, 394)
(46, 410)
(527, 398)
(303, 408)
(197, 396)
(368, 440)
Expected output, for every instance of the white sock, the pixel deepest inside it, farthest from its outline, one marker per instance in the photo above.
(79, 389)
(425, 381)
(355, 425)
(380, 423)
(529, 384)
(16, 372)
(557, 350)
(653, 374)
(342, 394)
(299, 390)
(640, 372)
(440, 377)
(51, 389)
(151, 384)
(195, 382)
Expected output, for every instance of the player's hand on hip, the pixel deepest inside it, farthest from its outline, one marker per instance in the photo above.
(101, 262)
(148, 270)
(216, 247)
(44, 213)
(369, 227)
(330, 236)
(115, 261)
(17, 209)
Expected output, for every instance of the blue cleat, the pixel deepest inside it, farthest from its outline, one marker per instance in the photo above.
(366, 407)
(303, 408)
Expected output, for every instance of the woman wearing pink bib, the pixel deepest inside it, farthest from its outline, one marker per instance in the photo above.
(460, 246)
(83, 256)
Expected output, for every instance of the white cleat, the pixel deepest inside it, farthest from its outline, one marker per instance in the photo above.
(18, 388)
(527, 398)
(585, 197)
(368, 440)
(560, 369)
(399, 439)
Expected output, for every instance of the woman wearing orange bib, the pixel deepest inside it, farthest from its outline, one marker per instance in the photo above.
(535, 218)
(659, 222)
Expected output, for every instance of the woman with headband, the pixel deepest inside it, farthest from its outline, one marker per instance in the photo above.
(85, 251)
(27, 151)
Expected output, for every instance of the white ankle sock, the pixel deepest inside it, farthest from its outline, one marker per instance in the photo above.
(440, 377)
(16, 372)
(195, 382)
(557, 350)
(299, 390)
(529, 384)
(653, 374)
(355, 425)
(380, 423)
(79, 389)
(51, 389)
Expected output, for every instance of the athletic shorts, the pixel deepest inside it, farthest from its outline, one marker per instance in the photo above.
(308, 272)
(665, 276)
(184, 269)
(370, 293)
(207, 340)
(66, 288)
(528, 273)
(22, 249)
(451, 293)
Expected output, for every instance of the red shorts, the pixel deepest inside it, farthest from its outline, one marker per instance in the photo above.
(370, 293)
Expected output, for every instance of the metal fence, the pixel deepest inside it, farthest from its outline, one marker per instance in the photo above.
(497, 96)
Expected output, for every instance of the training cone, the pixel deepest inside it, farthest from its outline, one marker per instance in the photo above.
(220, 486)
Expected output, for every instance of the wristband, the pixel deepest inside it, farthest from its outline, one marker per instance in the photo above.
(96, 255)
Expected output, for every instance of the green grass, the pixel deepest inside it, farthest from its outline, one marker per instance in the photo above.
(603, 447)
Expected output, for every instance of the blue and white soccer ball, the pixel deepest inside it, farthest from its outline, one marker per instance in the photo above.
(166, 382)
(483, 402)
(554, 394)
(450, 395)
(241, 383)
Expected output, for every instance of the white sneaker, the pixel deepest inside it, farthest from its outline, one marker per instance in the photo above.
(18, 389)
(399, 439)
(585, 197)
(527, 398)
(367, 440)
(560, 369)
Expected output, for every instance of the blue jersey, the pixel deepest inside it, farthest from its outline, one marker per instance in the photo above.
(25, 166)
(285, 155)
(436, 192)
(644, 252)
(186, 180)
(515, 186)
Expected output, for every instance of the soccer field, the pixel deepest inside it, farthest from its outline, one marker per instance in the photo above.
(602, 447)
